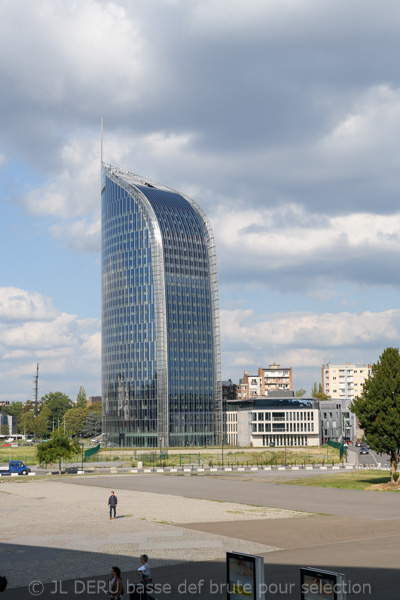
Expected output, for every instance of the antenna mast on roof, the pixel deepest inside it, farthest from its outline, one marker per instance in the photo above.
(36, 390)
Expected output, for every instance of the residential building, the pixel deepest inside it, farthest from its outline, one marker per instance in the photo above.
(267, 379)
(10, 422)
(344, 380)
(92, 400)
(160, 316)
(337, 422)
(276, 420)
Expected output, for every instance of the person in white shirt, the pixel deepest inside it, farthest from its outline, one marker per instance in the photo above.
(145, 575)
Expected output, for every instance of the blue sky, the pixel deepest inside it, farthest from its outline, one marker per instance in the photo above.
(280, 118)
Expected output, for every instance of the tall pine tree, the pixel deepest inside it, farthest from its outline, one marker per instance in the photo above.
(378, 407)
(81, 401)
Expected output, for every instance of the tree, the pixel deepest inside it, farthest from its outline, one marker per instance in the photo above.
(4, 430)
(28, 407)
(317, 393)
(96, 407)
(75, 420)
(378, 408)
(13, 410)
(59, 447)
(81, 400)
(93, 424)
(42, 423)
(299, 393)
(59, 404)
(26, 425)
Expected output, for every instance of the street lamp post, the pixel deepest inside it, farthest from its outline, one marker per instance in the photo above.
(222, 451)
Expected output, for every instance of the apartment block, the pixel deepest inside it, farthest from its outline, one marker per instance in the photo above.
(267, 379)
(345, 380)
(273, 421)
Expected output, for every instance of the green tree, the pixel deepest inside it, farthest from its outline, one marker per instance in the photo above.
(93, 424)
(4, 430)
(27, 407)
(26, 426)
(81, 400)
(13, 410)
(59, 447)
(75, 420)
(299, 393)
(43, 422)
(59, 404)
(317, 393)
(96, 407)
(378, 408)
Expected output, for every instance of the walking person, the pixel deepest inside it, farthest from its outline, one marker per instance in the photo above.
(112, 503)
(140, 591)
(115, 587)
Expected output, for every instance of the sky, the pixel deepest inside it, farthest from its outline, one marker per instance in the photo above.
(281, 118)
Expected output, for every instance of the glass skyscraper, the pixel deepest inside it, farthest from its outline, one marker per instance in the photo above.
(160, 316)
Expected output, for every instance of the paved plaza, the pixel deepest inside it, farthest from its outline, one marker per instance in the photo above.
(56, 532)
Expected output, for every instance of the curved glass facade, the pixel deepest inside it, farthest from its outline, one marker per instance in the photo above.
(160, 318)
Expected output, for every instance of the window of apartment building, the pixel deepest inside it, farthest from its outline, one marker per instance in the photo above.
(325, 415)
(267, 416)
(333, 377)
(254, 416)
(261, 416)
(278, 416)
(278, 427)
(261, 428)
(254, 427)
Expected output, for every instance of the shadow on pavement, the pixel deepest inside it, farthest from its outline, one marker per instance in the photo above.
(187, 580)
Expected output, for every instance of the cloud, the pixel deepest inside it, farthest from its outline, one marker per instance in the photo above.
(304, 340)
(33, 331)
(310, 330)
(17, 306)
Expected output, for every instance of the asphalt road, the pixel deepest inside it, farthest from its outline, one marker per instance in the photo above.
(339, 502)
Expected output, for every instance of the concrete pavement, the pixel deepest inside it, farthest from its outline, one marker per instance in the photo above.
(344, 503)
(360, 538)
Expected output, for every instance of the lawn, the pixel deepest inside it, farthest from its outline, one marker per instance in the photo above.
(360, 480)
(213, 456)
(25, 453)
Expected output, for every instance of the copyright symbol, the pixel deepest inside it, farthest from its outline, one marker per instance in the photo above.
(36, 588)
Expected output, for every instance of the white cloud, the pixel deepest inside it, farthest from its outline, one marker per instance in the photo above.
(66, 347)
(272, 238)
(79, 47)
(19, 305)
(310, 330)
